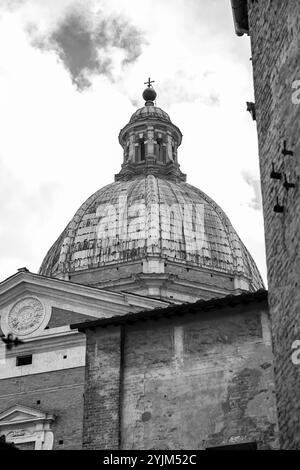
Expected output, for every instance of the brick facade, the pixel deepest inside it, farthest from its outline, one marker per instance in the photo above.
(187, 382)
(101, 426)
(275, 31)
(60, 393)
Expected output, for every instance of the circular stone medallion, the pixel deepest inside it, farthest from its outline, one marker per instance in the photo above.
(26, 316)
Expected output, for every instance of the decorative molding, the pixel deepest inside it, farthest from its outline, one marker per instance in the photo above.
(22, 425)
(54, 339)
(25, 316)
(170, 170)
(92, 301)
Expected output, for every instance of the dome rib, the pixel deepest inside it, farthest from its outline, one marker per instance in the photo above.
(79, 249)
(149, 112)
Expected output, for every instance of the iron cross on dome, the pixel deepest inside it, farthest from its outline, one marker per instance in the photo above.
(149, 82)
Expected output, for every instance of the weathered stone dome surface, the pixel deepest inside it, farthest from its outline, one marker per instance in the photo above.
(150, 232)
(152, 112)
(94, 236)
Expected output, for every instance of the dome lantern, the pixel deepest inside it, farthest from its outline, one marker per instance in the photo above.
(150, 142)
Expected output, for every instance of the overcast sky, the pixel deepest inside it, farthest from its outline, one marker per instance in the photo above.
(71, 75)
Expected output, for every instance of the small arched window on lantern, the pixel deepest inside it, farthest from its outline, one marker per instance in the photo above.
(159, 149)
(126, 152)
(140, 149)
(174, 151)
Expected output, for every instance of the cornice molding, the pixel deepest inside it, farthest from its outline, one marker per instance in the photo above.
(77, 294)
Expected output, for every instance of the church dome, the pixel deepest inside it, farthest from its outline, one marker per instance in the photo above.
(150, 112)
(144, 217)
(150, 232)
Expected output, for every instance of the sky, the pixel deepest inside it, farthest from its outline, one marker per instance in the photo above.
(71, 74)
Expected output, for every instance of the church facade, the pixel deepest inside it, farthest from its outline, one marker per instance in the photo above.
(42, 379)
(147, 325)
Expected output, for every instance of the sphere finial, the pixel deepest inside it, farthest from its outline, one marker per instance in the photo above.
(149, 93)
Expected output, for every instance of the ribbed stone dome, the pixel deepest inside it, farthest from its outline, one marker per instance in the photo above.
(148, 112)
(173, 221)
(150, 232)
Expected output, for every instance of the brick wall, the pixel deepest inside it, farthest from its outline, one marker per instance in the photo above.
(191, 382)
(102, 389)
(60, 393)
(275, 36)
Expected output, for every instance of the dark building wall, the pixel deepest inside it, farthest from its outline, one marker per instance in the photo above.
(60, 393)
(188, 383)
(101, 426)
(61, 317)
(275, 41)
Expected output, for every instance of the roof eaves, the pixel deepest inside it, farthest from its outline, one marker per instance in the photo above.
(240, 16)
(175, 310)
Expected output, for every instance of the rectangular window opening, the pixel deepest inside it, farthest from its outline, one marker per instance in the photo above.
(24, 360)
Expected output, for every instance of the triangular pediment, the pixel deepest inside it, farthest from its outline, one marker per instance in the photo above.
(21, 414)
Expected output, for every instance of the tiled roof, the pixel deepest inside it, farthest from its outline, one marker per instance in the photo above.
(177, 310)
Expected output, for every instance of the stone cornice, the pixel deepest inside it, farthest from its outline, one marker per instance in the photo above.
(100, 300)
(52, 339)
(149, 122)
(169, 171)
